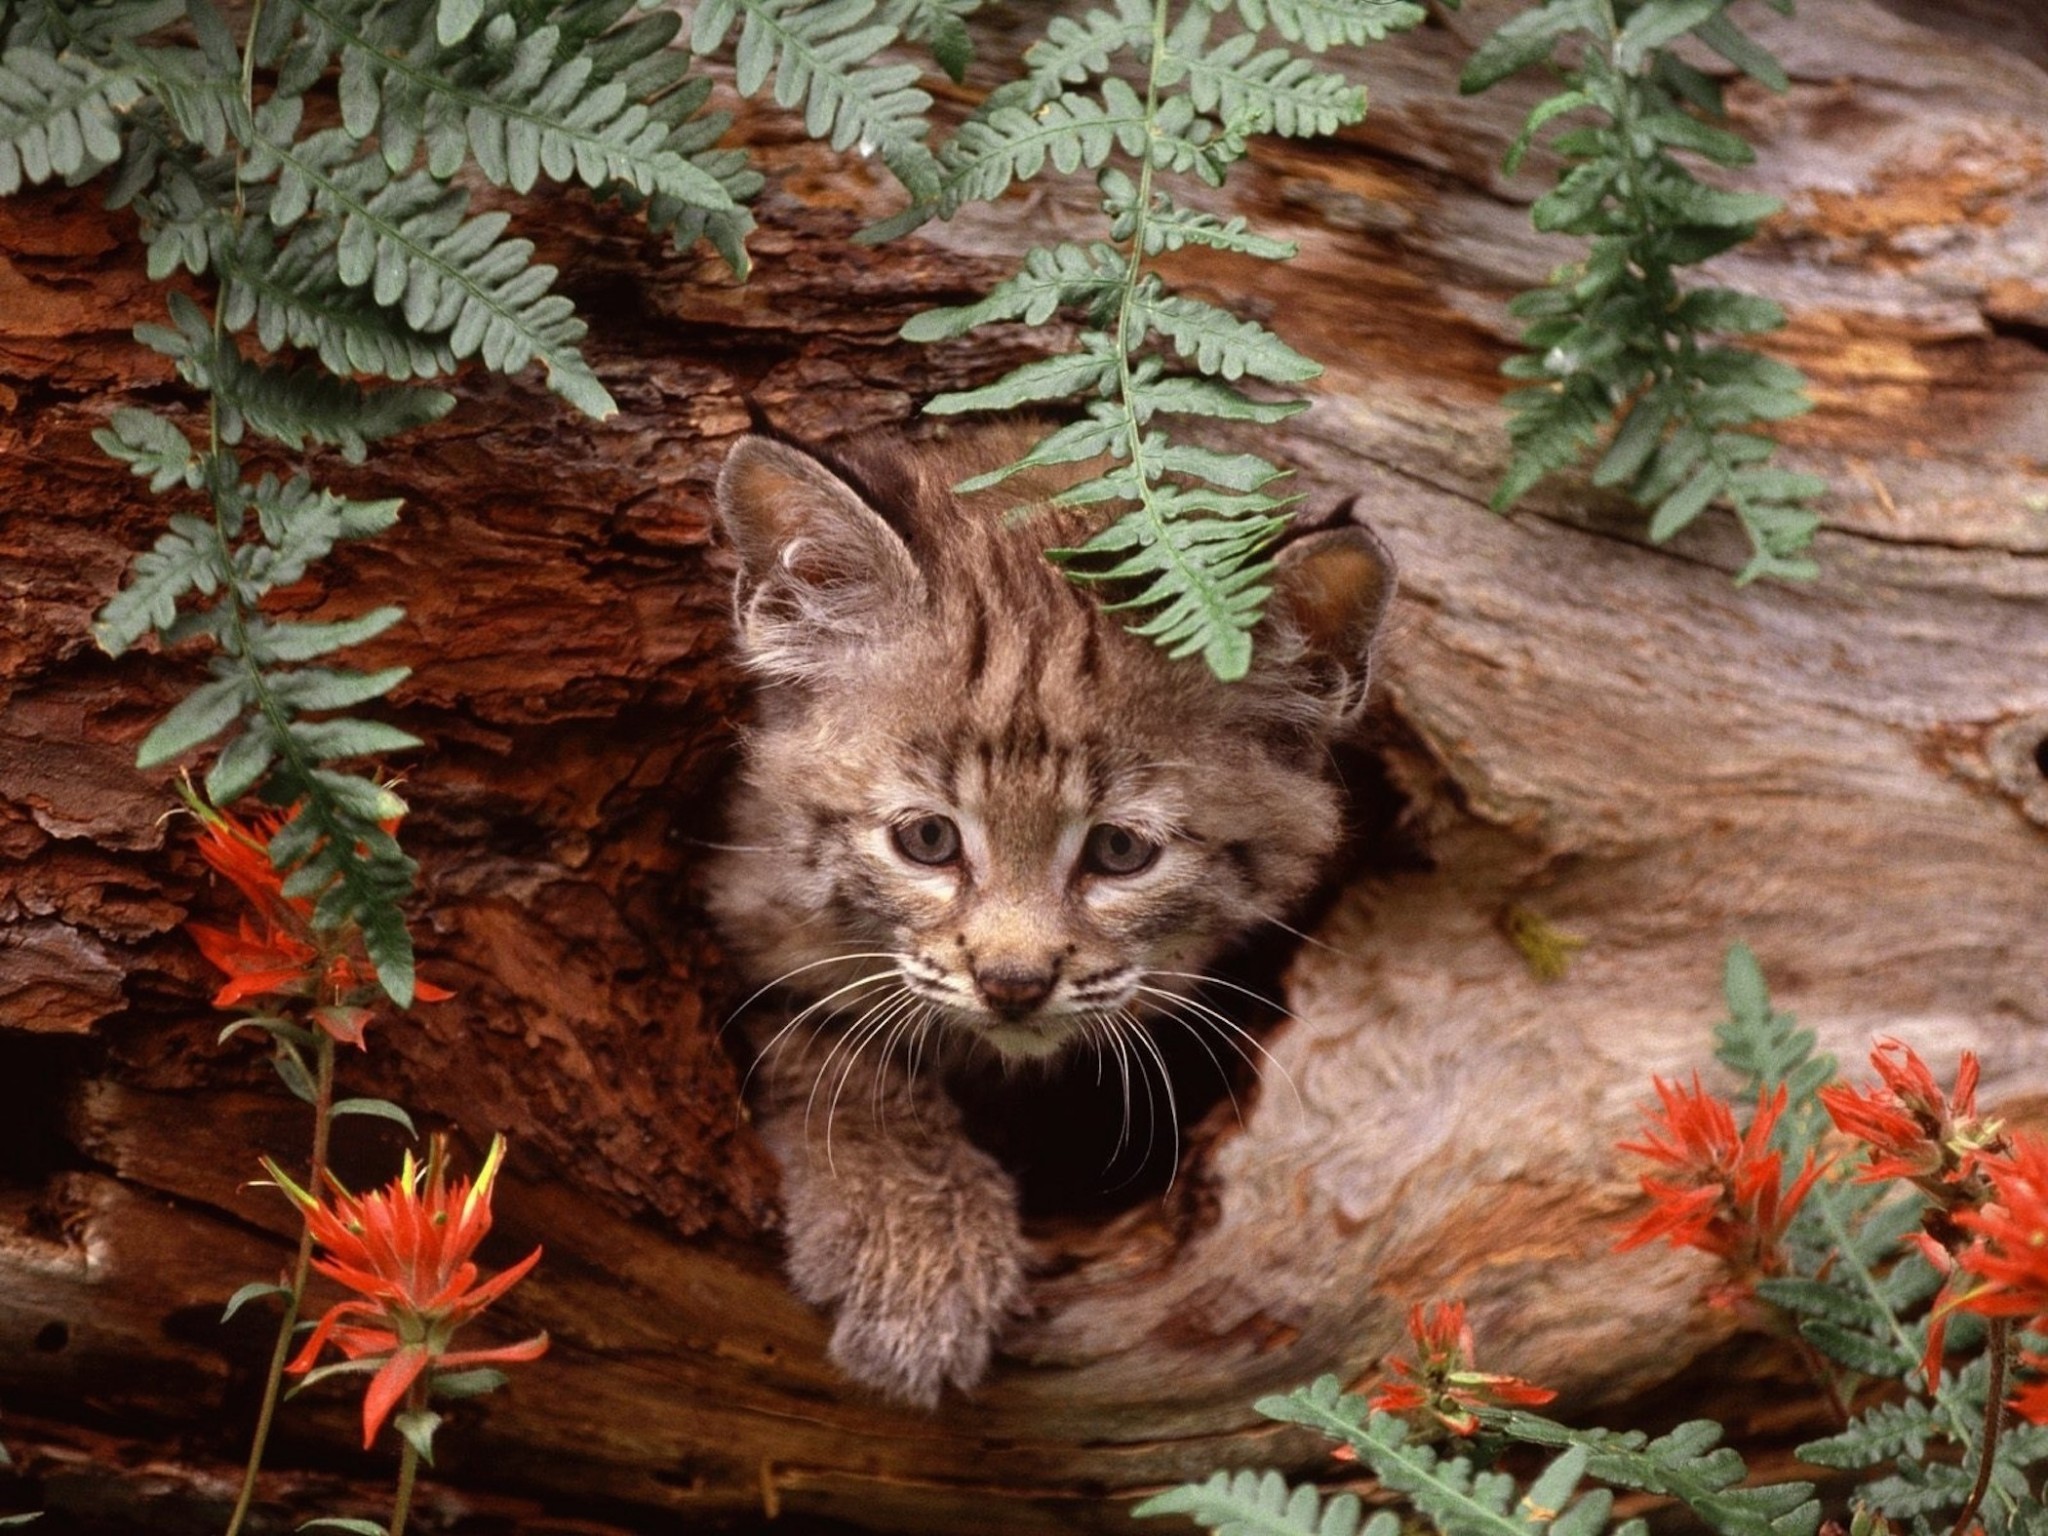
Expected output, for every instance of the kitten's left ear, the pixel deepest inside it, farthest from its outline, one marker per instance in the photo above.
(818, 566)
(1333, 588)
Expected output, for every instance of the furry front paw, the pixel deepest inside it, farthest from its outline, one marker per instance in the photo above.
(923, 1263)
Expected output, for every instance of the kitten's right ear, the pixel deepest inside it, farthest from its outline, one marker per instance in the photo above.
(818, 567)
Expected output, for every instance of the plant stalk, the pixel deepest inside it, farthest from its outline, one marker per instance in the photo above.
(408, 1462)
(1999, 1346)
(323, 1104)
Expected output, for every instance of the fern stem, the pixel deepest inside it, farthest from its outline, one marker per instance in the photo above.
(1192, 576)
(1999, 1346)
(323, 1120)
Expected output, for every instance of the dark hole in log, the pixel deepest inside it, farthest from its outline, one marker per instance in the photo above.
(2041, 756)
(52, 1337)
(33, 1141)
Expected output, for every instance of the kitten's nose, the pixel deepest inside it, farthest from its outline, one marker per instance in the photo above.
(1014, 990)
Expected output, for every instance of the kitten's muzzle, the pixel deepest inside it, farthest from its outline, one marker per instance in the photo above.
(1012, 991)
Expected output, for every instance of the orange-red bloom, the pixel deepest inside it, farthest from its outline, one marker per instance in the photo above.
(405, 1251)
(274, 950)
(1728, 1195)
(1442, 1384)
(1916, 1131)
(270, 950)
(2008, 1258)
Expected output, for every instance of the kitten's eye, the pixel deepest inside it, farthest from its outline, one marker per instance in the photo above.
(927, 840)
(1117, 851)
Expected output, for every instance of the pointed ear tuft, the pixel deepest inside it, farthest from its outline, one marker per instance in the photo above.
(1332, 588)
(819, 568)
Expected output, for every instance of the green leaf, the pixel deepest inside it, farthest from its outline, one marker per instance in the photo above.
(325, 740)
(1051, 378)
(199, 717)
(417, 1426)
(1218, 342)
(1544, 112)
(1257, 1504)
(1657, 23)
(464, 1384)
(380, 1109)
(410, 240)
(1686, 503)
(1322, 24)
(351, 1526)
(454, 20)
(291, 1068)
(1525, 39)
(59, 116)
(820, 57)
(251, 1292)
(1857, 1350)
(1721, 35)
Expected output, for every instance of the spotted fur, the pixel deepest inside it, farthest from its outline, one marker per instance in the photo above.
(920, 658)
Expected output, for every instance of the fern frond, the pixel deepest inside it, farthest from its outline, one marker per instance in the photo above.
(1319, 25)
(409, 240)
(58, 116)
(1008, 143)
(1879, 1433)
(1168, 228)
(819, 54)
(288, 405)
(1214, 339)
(1089, 276)
(1262, 1504)
(939, 24)
(1279, 89)
(521, 111)
(294, 296)
(1457, 1499)
(1076, 50)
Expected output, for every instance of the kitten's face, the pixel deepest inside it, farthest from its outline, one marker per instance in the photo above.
(973, 799)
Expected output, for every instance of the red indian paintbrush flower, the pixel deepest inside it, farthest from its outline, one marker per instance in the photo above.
(405, 1251)
(1935, 1141)
(1917, 1131)
(1728, 1196)
(270, 950)
(1441, 1384)
(2008, 1258)
(274, 950)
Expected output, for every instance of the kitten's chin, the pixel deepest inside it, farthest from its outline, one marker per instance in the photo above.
(1029, 1041)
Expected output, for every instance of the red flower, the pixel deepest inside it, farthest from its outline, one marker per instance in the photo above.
(1729, 1196)
(1441, 1384)
(1917, 1131)
(271, 950)
(275, 950)
(405, 1251)
(2009, 1255)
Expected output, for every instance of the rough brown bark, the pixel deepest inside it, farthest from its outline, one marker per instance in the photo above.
(1849, 775)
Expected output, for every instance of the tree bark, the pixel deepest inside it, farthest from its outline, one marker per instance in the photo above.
(1607, 736)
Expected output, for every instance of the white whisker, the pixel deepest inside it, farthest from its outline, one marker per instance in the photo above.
(1229, 1027)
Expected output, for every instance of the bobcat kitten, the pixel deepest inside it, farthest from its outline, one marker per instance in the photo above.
(978, 817)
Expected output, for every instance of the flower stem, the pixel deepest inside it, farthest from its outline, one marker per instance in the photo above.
(1999, 1347)
(323, 1103)
(408, 1463)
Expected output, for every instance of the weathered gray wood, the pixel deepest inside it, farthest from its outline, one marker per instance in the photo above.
(1604, 734)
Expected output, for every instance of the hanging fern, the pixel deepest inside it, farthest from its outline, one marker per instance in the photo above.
(1189, 553)
(1617, 350)
(339, 253)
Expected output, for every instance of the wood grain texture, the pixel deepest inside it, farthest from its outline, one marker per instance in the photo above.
(1578, 725)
